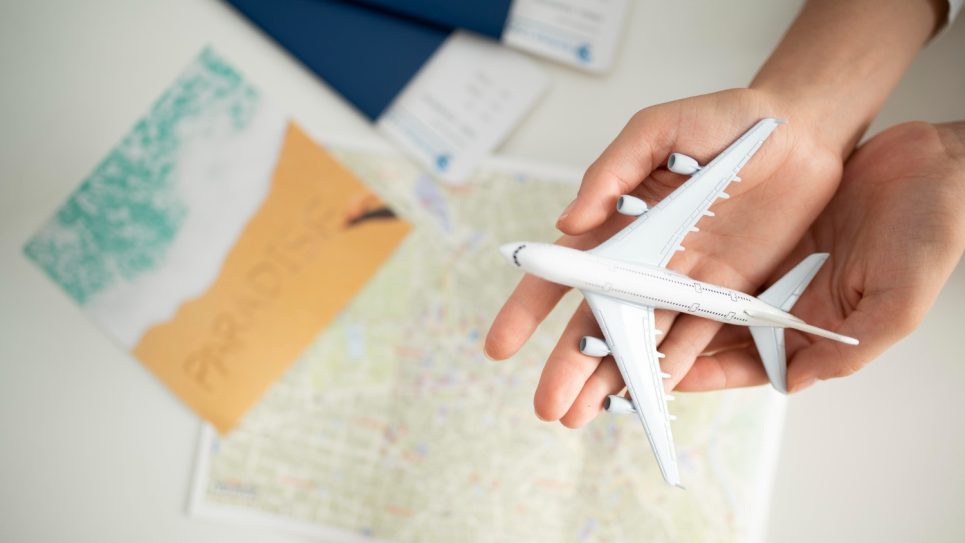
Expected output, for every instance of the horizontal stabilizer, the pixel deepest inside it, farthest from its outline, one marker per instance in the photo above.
(770, 344)
(783, 294)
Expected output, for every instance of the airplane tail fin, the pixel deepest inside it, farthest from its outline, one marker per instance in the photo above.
(783, 295)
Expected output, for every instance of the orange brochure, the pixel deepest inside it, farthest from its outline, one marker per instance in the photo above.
(216, 241)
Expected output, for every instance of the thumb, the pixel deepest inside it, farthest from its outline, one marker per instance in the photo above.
(627, 161)
(877, 322)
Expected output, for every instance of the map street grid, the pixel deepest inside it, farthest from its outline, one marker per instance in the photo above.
(393, 426)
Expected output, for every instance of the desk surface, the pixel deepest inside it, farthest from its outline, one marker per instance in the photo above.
(95, 449)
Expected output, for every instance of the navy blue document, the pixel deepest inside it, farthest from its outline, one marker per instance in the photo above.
(366, 55)
(487, 17)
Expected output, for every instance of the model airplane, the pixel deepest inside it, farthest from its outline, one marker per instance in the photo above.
(625, 278)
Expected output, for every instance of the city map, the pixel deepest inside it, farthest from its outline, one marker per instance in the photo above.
(393, 426)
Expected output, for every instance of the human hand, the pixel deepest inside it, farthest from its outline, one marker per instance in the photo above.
(829, 76)
(785, 186)
(895, 231)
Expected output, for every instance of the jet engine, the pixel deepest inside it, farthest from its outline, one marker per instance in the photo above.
(682, 164)
(591, 346)
(618, 405)
(631, 205)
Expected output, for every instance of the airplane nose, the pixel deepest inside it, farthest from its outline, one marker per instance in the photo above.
(507, 250)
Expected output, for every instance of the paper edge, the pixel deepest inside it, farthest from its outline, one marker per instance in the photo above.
(250, 518)
(761, 503)
(774, 425)
(375, 143)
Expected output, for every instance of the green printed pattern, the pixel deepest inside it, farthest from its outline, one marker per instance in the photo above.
(122, 219)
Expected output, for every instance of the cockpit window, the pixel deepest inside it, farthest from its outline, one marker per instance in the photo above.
(516, 252)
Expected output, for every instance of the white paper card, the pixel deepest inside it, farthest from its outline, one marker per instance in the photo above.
(462, 104)
(582, 33)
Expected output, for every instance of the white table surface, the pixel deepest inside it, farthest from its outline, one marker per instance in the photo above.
(93, 448)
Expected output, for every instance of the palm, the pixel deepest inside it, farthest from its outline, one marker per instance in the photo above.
(784, 188)
(895, 232)
(786, 185)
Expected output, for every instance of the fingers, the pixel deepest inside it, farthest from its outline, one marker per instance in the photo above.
(684, 343)
(685, 340)
(573, 385)
(877, 322)
(567, 369)
(629, 159)
(604, 381)
(528, 305)
(729, 337)
(727, 369)
(819, 359)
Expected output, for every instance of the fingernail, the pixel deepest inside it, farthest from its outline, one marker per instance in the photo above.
(566, 212)
(805, 384)
(487, 355)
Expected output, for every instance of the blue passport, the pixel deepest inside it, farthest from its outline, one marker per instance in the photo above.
(487, 17)
(367, 55)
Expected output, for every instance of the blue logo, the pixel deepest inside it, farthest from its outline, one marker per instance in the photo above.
(442, 162)
(583, 52)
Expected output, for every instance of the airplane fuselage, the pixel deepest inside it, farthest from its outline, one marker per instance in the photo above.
(624, 278)
(641, 284)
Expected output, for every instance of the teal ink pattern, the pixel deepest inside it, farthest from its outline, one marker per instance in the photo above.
(121, 220)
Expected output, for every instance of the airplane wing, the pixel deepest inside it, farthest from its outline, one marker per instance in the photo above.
(630, 334)
(657, 234)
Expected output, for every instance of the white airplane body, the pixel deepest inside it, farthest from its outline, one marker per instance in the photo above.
(654, 287)
(625, 278)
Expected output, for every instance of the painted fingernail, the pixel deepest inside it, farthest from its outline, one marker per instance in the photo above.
(566, 212)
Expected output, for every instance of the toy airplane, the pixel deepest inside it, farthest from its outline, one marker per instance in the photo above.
(625, 278)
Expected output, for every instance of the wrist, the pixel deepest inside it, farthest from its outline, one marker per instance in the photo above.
(839, 61)
(812, 133)
(806, 108)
